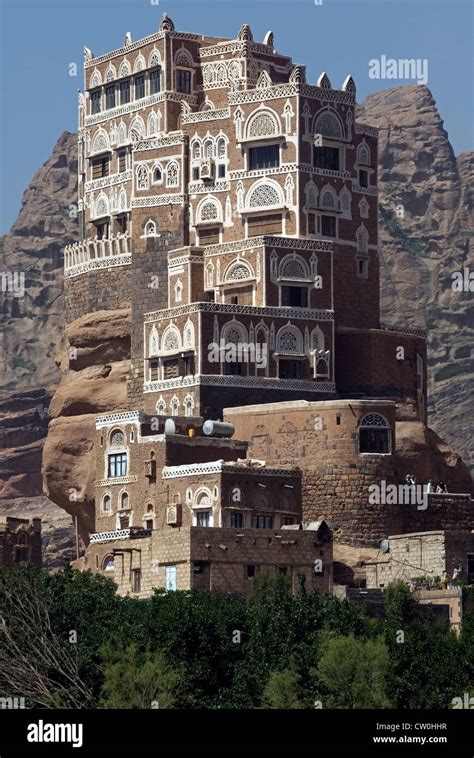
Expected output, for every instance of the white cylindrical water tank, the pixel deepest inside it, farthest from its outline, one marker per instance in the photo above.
(218, 429)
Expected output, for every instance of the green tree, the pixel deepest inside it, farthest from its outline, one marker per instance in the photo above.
(282, 691)
(353, 672)
(137, 680)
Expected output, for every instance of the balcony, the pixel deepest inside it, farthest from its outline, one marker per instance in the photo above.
(120, 534)
(96, 253)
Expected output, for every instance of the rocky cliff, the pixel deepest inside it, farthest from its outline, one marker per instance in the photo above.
(425, 223)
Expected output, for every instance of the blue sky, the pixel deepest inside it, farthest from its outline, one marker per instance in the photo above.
(40, 38)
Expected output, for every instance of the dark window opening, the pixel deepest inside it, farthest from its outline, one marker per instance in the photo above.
(221, 171)
(183, 81)
(235, 368)
(326, 157)
(122, 223)
(21, 554)
(262, 522)
(154, 371)
(294, 297)
(122, 161)
(157, 175)
(289, 369)
(196, 174)
(155, 85)
(266, 156)
(188, 365)
(137, 580)
(283, 570)
(110, 97)
(328, 226)
(374, 441)
(96, 101)
(363, 178)
(287, 520)
(311, 223)
(149, 524)
(139, 87)
(102, 231)
(251, 571)
(237, 520)
(125, 92)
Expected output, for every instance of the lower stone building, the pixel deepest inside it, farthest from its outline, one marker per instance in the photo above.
(433, 558)
(20, 542)
(179, 509)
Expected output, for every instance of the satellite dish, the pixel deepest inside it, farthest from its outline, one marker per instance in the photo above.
(170, 426)
(384, 546)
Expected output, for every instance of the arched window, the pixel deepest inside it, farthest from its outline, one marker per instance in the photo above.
(102, 206)
(142, 177)
(108, 564)
(171, 340)
(106, 505)
(363, 155)
(117, 438)
(289, 341)
(264, 123)
(362, 240)
(22, 538)
(375, 435)
(161, 406)
(311, 195)
(328, 199)
(150, 228)
(237, 271)
(209, 210)
(124, 501)
(100, 142)
(188, 405)
(196, 150)
(328, 125)
(322, 367)
(294, 268)
(174, 406)
(208, 148)
(264, 196)
(317, 339)
(172, 174)
(125, 69)
(221, 148)
(154, 342)
(188, 336)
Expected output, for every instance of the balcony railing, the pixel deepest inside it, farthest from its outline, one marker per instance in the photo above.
(120, 534)
(96, 253)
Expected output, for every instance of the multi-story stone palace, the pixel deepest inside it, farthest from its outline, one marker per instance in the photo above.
(233, 206)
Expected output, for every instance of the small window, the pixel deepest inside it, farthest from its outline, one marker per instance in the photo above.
(110, 97)
(236, 520)
(363, 178)
(155, 77)
(221, 171)
(362, 268)
(294, 297)
(328, 226)
(209, 236)
(311, 223)
(149, 524)
(154, 371)
(122, 161)
(262, 522)
(125, 92)
(137, 580)
(139, 87)
(251, 571)
(100, 167)
(183, 81)
(96, 101)
(289, 369)
(107, 505)
(157, 175)
(102, 231)
(264, 225)
(326, 157)
(21, 555)
(117, 465)
(267, 156)
(196, 174)
(203, 518)
(170, 369)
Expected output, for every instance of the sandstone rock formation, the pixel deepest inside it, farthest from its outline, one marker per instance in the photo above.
(425, 217)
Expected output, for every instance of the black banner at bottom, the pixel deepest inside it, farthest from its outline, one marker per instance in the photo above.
(197, 732)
